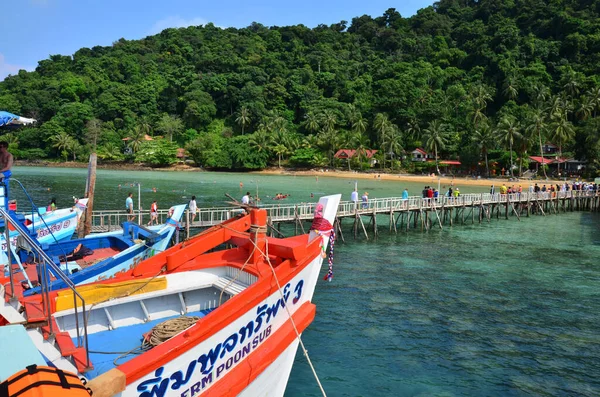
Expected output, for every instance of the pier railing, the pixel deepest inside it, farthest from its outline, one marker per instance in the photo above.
(103, 221)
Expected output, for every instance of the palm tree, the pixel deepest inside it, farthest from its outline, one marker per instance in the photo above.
(145, 126)
(436, 137)
(64, 143)
(537, 125)
(484, 140)
(243, 118)
(393, 142)
(329, 120)
(360, 142)
(541, 93)
(511, 91)
(523, 146)
(381, 125)
(311, 122)
(572, 85)
(594, 95)
(170, 125)
(329, 139)
(280, 150)
(281, 140)
(480, 95)
(352, 113)
(136, 137)
(562, 132)
(109, 151)
(310, 141)
(508, 131)
(359, 125)
(413, 129)
(586, 107)
(260, 140)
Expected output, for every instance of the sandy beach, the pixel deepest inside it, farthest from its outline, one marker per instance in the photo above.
(445, 180)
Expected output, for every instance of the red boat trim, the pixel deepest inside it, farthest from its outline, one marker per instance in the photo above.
(236, 380)
(215, 321)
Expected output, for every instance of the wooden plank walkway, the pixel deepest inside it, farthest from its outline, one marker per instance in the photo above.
(420, 212)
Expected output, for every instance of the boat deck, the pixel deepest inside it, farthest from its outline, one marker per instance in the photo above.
(98, 255)
(105, 347)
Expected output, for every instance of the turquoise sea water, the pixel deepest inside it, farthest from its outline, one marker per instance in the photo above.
(502, 309)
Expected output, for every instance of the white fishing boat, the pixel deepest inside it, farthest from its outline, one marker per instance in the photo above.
(218, 315)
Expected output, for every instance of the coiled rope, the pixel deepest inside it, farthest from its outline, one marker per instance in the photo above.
(168, 329)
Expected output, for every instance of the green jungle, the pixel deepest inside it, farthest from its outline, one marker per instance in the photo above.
(486, 82)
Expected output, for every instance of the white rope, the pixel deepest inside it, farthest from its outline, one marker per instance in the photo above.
(290, 316)
(266, 255)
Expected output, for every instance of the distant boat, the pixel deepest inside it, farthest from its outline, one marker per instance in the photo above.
(109, 253)
(47, 226)
(245, 299)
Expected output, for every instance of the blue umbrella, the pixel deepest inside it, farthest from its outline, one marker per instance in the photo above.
(7, 118)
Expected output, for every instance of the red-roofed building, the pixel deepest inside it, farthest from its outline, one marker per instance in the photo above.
(419, 155)
(344, 154)
(349, 153)
(540, 160)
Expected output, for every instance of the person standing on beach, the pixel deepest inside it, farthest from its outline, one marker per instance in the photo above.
(129, 207)
(153, 213)
(193, 207)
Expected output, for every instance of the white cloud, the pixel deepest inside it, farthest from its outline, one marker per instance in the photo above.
(175, 21)
(7, 68)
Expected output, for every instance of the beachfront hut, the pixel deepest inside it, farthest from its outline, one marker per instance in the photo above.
(346, 154)
(9, 119)
(419, 155)
(449, 165)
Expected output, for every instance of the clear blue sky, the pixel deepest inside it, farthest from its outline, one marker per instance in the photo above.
(31, 30)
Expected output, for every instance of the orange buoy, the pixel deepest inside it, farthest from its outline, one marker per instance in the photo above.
(42, 381)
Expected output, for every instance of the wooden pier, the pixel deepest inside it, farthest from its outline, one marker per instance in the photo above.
(414, 212)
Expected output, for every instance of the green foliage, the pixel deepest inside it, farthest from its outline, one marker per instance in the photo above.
(305, 157)
(444, 78)
(157, 153)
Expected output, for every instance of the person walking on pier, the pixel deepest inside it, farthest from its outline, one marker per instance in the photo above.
(365, 200)
(354, 198)
(129, 207)
(405, 199)
(153, 213)
(193, 207)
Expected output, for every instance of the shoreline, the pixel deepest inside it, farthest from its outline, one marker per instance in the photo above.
(427, 179)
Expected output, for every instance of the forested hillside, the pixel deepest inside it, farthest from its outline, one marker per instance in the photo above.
(474, 80)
